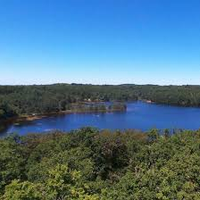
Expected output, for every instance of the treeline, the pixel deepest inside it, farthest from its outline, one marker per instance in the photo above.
(39, 99)
(94, 165)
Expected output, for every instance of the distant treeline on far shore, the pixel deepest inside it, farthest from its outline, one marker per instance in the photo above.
(40, 99)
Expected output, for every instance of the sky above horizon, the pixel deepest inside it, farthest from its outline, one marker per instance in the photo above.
(100, 41)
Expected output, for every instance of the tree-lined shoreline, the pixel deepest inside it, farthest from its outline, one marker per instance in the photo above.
(84, 107)
(42, 99)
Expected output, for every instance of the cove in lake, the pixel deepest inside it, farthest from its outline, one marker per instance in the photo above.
(139, 115)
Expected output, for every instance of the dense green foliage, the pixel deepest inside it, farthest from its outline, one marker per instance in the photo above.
(92, 164)
(19, 100)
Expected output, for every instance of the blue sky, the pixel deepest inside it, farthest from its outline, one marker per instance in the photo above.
(100, 41)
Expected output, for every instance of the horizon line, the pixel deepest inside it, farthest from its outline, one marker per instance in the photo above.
(122, 84)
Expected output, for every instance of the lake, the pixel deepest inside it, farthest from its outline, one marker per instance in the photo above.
(139, 115)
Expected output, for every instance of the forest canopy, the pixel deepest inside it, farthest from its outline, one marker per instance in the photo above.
(93, 165)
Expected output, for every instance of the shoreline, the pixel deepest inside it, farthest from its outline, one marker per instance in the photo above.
(29, 118)
(40, 116)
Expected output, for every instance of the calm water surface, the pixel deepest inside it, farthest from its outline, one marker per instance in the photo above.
(139, 115)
